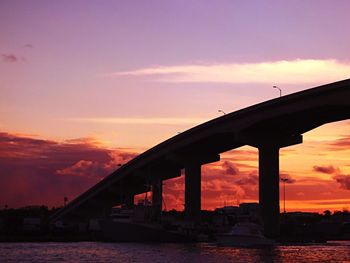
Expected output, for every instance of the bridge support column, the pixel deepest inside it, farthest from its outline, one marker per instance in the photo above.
(129, 201)
(193, 191)
(269, 189)
(157, 200)
(269, 144)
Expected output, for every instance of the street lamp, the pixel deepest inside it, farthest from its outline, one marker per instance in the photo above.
(65, 200)
(222, 112)
(284, 180)
(275, 87)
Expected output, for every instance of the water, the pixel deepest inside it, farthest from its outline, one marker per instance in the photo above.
(186, 253)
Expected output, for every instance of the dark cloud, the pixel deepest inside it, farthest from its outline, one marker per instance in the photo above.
(28, 46)
(250, 179)
(85, 169)
(342, 179)
(340, 144)
(9, 58)
(230, 168)
(35, 171)
(325, 169)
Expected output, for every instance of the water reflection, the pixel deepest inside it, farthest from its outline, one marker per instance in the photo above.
(187, 253)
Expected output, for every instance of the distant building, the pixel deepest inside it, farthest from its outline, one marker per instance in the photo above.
(230, 215)
(227, 210)
(2, 223)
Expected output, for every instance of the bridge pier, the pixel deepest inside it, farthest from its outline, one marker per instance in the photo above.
(193, 164)
(193, 191)
(269, 189)
(157, 190)
(269, 145)
(129, 201)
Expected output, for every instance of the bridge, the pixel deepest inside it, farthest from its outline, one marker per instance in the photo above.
(268, 126)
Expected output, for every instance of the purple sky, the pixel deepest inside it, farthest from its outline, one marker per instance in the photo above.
(65, 49)
(130, 74)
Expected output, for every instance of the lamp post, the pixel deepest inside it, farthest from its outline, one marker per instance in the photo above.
(222, 112)
(65, 200)
(275, 87)
(284, 180)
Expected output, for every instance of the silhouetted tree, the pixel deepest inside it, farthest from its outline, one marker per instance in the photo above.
(327, 213)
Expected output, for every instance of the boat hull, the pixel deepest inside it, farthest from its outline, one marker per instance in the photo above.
(242, 241)
(133, 232)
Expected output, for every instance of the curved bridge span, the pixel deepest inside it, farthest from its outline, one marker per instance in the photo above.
(268, 126)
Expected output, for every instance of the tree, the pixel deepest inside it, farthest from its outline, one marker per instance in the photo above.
(327, 213)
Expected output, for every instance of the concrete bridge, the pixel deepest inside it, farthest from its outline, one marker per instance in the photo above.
(268, 126)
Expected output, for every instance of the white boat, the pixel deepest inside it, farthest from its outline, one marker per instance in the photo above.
(244, 234)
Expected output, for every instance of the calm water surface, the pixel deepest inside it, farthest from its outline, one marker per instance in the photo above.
(136, 252)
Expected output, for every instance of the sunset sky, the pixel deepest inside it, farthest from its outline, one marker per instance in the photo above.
(87, 85)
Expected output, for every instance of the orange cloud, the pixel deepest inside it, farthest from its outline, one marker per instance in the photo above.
(340, 144)
(68, 168)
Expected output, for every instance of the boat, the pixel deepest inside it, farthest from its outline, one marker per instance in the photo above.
(136, 232)
(133, 225)
(244, 234)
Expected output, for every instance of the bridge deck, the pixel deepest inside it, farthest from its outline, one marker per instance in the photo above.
(285, 117)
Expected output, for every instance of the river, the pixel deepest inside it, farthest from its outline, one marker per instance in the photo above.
(337, 251)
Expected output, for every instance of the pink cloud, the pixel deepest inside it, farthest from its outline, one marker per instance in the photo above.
(83, 168)
(340, 144)
(342, 179)
(28, 46)
(325, 169)
(36, 171)
(9, 58)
